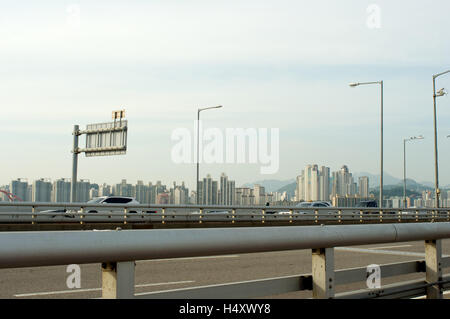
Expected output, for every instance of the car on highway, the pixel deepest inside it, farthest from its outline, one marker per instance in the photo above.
(212, 212)
(318, 204)
(96, 201)
(123, 200)
(60, 212)
(367, 203)
(372, 204)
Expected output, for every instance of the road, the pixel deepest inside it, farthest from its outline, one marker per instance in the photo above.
(164, 274)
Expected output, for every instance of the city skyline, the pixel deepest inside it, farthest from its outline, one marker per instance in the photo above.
(293, 178)
(314, 184)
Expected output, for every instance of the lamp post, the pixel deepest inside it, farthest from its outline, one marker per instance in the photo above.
(420, 137)
(198, 142)
(441, 92)
(381, 133)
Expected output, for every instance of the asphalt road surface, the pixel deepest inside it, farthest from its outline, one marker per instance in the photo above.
(165, 274)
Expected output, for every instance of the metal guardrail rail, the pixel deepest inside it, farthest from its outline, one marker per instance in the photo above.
(82, 213)
(117, 251)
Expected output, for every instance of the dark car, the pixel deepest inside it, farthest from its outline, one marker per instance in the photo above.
(58, 212)
(367, 203)
(372, 204)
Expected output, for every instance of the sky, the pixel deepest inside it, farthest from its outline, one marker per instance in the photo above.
(271, 64)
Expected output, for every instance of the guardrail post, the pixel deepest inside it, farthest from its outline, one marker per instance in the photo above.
(291, 212)
(433, 255)
(233, 213)
(263, 215)
(118, 280)
(125, 210)
(33, 216)
(323, 273)
(82, 215)
(162, 216)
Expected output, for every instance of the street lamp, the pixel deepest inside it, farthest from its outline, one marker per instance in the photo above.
(439, 93)
(420, 137)
(381, 153)
(198, 142)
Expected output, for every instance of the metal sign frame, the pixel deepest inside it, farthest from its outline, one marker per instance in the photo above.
(102, 139)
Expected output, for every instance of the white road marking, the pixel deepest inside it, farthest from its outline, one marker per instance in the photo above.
(384, 252)
(387, 247)
(188, 258)
(423, 297)
(98, 289)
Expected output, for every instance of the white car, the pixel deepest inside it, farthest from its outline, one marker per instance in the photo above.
(318, 204)
(111, 200)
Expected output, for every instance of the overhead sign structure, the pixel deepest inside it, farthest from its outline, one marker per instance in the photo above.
(102, 139)
(105, 139)
(118, 114)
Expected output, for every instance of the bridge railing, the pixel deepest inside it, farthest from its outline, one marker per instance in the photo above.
(37, 212)
(117, 251)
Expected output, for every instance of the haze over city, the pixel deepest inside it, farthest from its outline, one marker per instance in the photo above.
(280, 64)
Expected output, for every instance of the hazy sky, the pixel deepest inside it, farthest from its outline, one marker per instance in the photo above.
(271, 64)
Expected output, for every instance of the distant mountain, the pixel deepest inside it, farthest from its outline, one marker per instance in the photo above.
(391, 184)
(430, 184)
(270, 185)
(391, 181)
(374, 180)
(289, 189)
(411, 185)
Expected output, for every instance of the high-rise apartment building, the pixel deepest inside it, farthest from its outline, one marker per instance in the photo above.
(223, 189)
(313, 184)
(19, 187)
(141, 192)
(61, 190)
(42, 190)
(244, 196)
(324, 183)
(124, 189)
(179, 194)
(93, 193)
(259, 194)
(231, 193)
(299, 191)
(227, 191)
(104, 190)
(363, 186)
(162, 198)
(155, 190)
(83, 187)
(343, 183)
(208, 191)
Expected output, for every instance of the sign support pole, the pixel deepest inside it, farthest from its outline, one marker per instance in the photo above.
(73, 190)
(95, 147)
